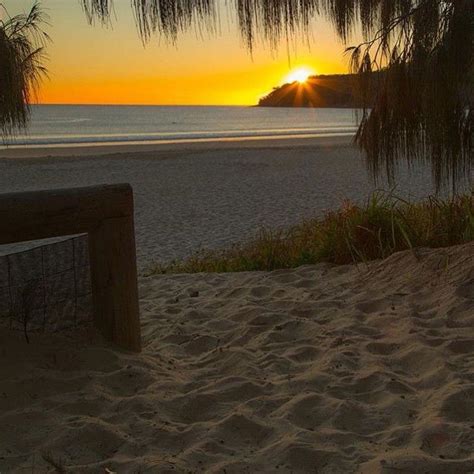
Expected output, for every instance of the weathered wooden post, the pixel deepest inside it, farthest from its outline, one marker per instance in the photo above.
(114, 280)
(106, 214)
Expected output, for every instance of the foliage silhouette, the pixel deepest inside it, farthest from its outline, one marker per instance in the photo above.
(424, 106)
(21, 66)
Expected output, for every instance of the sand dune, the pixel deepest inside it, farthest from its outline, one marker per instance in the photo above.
(319, 369)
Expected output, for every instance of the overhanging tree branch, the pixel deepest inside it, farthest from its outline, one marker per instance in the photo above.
(21, 66)
(421, 50)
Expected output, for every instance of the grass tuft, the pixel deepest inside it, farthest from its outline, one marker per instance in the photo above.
(382, 226)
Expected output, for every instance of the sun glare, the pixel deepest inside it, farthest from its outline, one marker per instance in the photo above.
(300, 75)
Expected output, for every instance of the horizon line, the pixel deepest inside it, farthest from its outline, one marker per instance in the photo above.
(142, 105)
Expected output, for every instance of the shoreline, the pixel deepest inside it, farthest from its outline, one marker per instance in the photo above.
(166, 146)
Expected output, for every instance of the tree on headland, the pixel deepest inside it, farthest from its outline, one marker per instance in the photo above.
(424, 106)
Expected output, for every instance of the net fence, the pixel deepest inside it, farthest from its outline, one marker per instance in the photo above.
(46, 288)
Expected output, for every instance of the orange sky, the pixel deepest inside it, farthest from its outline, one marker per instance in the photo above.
(92, 64)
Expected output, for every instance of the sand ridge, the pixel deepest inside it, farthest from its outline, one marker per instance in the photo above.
(322, 369)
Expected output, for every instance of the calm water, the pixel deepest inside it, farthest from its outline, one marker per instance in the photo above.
(90, 124)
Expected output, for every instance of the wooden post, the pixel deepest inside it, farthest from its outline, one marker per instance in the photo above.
(114, 281)
(106, 214)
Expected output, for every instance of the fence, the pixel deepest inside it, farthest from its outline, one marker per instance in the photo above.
(106, 214)
(47, 288)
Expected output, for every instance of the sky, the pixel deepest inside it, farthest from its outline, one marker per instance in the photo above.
(92, 64)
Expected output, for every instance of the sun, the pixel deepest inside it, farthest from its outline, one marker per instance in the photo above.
(300, 75)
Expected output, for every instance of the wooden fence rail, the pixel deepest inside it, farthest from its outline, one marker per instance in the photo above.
(106, 214)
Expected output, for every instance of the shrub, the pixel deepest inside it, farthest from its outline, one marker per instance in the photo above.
(353, 233)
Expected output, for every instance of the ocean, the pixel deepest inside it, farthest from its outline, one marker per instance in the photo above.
(80, 125)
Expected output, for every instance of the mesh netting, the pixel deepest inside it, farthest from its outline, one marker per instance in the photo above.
(46, 288)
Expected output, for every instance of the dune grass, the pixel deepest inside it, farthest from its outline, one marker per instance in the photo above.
(383, 225)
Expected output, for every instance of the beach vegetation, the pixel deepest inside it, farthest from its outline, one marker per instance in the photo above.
(354, 233)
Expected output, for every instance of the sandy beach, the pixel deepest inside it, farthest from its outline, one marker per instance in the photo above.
(210, 194)
(321, 368)
(270, 259)
(318, 369)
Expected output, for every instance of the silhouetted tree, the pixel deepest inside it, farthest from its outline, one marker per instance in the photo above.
(424, 107)
(21, 55)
